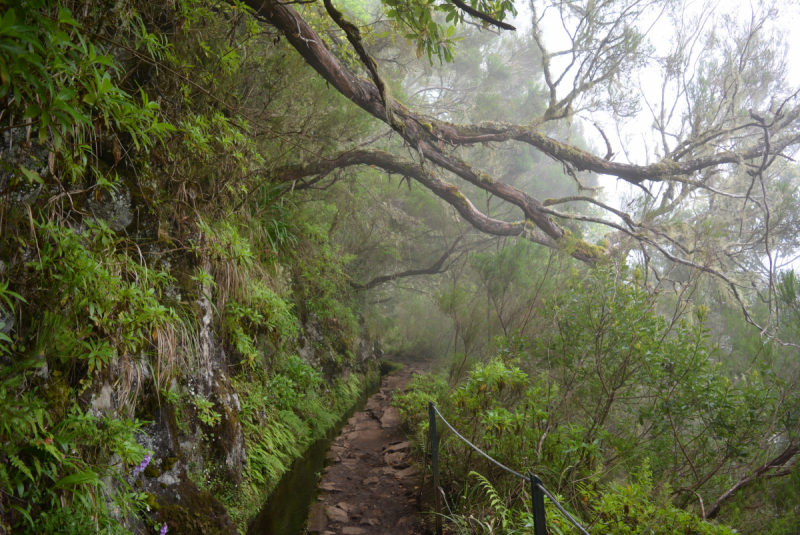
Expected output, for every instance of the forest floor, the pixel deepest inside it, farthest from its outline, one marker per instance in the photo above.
(370, 485)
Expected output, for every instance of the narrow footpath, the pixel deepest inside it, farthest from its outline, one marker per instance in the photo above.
(370, 484)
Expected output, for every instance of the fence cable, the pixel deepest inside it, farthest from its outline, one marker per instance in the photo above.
(474, 447)
(509, 470)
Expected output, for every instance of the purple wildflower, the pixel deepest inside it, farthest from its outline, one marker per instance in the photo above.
(142, 465)
(163, 530)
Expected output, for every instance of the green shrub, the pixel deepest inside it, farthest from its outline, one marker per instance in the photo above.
(611, 385)
(54, 471)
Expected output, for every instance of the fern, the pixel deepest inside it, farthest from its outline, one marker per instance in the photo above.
(495, 500)
(19, 465)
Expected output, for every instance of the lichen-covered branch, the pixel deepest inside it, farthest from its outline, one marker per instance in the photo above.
(448, 193)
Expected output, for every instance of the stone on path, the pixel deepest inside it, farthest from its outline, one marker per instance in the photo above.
(345, 506)
(390, 418)
(394, 458)
(369, 424)
(373, 405)
(411, 471)
(335, 514)
(402, 446)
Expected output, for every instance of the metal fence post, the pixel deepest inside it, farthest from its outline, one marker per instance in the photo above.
(435, 465)
(539, 517)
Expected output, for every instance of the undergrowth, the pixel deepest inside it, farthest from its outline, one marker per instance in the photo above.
(596, 438)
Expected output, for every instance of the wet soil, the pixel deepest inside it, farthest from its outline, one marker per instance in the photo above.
(370, 484)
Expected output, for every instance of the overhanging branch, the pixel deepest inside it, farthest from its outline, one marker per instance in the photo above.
(444, 190)
(481, 15)
(436, 268)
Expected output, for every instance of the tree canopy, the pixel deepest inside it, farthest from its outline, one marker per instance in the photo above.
(726, 122)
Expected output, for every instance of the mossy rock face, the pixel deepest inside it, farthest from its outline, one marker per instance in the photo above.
(228, 445)
(167, 463)
(223, 444)
(152, 471)
(152, 502)
(57, 395)
(148, 404)
(197, 513)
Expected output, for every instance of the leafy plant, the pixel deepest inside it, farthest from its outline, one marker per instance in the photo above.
(80, 91)
(54, 471)
(611, 382)
(206, 412)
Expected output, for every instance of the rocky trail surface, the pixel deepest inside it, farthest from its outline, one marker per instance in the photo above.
(370, 484)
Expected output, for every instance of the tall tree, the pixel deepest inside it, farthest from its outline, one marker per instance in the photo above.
(725, 117)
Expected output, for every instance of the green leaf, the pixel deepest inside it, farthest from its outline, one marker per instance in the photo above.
(165, 127)
(65, 17)
(8, 20)
(65, 94)
(19, 465)
(32, 111)
(23, 512)
(32, 176)
(87, 476)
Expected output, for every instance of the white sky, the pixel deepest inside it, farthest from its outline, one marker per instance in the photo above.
(638, 132)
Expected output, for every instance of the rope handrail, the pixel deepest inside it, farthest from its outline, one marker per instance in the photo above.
(509, 470)
(474, 447)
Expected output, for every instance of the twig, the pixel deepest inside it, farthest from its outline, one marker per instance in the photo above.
(481, 15)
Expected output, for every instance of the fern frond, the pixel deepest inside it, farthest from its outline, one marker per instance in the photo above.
(19, 465)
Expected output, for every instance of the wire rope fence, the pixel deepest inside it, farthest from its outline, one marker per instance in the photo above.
(538, 491)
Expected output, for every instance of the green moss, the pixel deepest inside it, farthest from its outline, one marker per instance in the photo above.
(587, 249)
(486, 179)
(466, 130)
(152, 471)
(460, 196)
(57, 396)
(152, 502)
(666, 167)
(572, 245)
(427, 126)
(198, 513)
(167, 463)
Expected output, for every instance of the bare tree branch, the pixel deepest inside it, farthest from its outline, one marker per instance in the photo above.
(436, 268)
(761, 472)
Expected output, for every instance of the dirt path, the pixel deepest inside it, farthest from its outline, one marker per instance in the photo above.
(369, 485)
